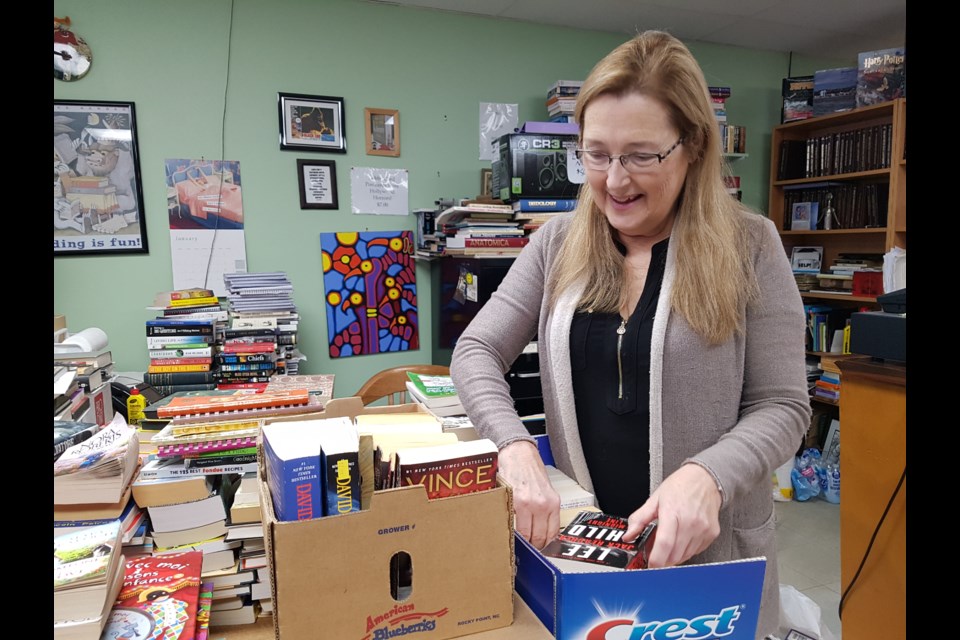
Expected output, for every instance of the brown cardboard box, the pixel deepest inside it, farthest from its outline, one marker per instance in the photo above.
(331, 576)
(59, 327)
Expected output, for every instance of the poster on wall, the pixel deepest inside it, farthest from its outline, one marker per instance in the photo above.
(496, 119)
(97, 192)
(370, 292)
(205, 213)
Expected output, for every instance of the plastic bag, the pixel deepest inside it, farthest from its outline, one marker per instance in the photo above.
(800, 614)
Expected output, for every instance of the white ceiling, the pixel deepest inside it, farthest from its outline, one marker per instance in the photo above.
(830, 29)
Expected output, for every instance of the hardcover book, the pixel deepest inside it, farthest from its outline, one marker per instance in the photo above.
(448, 470)
(797, 93)
(881, 76)
(597, 538)
(159, 598)
(834, 90)
(525, 205)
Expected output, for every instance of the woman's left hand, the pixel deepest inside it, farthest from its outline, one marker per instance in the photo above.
(687, 505)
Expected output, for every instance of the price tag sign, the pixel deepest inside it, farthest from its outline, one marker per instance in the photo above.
(575, 171)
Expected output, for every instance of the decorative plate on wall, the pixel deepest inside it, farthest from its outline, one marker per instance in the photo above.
(71, 54)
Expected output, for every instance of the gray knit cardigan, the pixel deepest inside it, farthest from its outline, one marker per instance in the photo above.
(738, 409)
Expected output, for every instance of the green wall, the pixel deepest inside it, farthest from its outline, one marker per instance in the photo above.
(171, 59)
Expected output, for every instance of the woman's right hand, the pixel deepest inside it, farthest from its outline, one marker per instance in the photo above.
(535, 502)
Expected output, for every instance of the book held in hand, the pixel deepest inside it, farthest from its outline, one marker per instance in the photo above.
(597, 538)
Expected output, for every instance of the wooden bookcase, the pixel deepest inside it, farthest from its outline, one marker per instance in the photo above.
(890, 182)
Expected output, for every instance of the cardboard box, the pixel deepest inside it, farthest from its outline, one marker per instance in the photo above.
(331, 576)
(59, 327)
(533, 166)
(690, 601)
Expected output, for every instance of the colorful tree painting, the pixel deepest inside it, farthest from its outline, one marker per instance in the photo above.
(370, 285)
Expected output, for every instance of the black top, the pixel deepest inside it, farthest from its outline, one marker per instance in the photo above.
(614, 420)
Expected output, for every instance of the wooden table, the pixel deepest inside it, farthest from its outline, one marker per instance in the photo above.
(525, 626)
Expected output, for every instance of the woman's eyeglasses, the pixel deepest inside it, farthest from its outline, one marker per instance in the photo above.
(632, 162)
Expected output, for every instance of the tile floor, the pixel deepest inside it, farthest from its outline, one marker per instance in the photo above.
(808, 544)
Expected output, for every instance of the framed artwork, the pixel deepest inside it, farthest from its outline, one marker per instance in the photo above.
(318, 184)
(97, 189)
(315, 123)
(383, 131)
(803, 216)
(486, 182)
(370, 283)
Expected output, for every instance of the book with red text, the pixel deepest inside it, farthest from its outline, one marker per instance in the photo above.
(597, 538)
(448, 470)
(159, 598)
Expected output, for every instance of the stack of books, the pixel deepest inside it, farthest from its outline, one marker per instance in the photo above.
(182, 340)
(92, 482)
(82, 369)
(260, 340)
(532, 213)
(313, 467)
(436, 393)
(88, 570)
(480, 230)
(562, 100)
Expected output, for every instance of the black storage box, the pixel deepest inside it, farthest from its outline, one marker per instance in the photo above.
(533, 166)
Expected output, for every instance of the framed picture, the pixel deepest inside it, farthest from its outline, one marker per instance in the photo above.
(97, 190)
(314, 123)
(804, 216)
(383, 131)
(486, 182)
(318, 184)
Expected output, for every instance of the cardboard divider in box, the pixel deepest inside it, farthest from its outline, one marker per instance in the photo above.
(331, 576)
(689, 601)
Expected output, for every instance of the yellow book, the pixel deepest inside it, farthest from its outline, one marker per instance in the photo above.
(846, 339)
(193, 302)
(177, 368)
(214, 427)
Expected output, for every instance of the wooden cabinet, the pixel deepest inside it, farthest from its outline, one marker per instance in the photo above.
(859, 157)
(872, 460)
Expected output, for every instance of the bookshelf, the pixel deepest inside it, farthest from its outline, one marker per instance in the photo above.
(857, 155)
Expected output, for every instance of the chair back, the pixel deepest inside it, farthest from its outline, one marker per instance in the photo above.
(392, 383)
